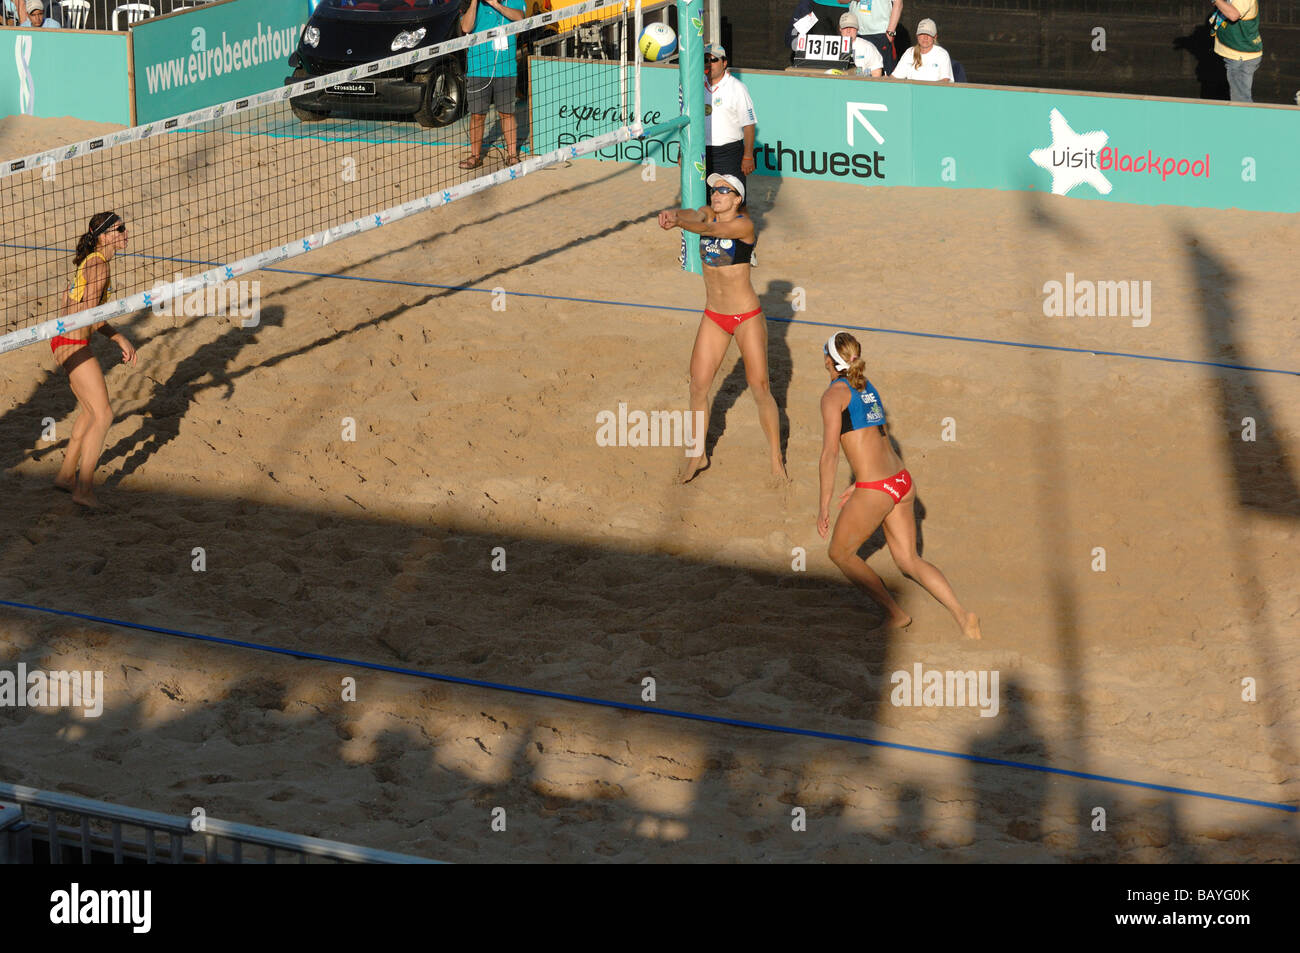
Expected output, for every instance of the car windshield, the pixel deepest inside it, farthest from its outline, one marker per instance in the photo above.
(383, 6)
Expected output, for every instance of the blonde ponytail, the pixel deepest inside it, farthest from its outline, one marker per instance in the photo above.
(916, 57)
(857, 374)
(848, 348)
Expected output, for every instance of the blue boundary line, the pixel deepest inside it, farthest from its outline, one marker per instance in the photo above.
(664, 712)
(659, 307)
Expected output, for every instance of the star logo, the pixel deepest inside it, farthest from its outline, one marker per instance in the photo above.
(230, 273)
(1072, 158)
(446, 197)
(306, 245)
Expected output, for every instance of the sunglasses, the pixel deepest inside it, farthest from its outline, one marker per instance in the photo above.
(710, 59)
(723, 190)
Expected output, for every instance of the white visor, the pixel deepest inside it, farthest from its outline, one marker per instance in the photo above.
(840, 363)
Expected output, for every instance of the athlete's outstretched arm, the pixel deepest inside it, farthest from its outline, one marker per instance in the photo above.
(679, 217)
(701, 222)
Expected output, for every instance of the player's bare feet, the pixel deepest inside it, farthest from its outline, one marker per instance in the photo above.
(778, 470)
(971, 627)
(899, 620)
(693, 466)
(87, 499)
(64, 483)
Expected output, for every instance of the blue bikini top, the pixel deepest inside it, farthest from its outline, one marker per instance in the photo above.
(719, 252)
(864, 408)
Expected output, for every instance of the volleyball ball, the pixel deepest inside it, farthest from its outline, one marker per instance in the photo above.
(658, 41)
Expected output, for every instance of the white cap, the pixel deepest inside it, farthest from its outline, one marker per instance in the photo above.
(718, 179)
(927, 26)
(35, 5)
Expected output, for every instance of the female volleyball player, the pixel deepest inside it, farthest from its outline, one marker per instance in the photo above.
(91, 287)
(731, 309)
(853, 417)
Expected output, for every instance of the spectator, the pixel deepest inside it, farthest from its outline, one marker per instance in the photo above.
(1237, 42)
(877, 24)
(491, 75)
(864, 55)
(815, 18)
(798, 23)
(728, 118)
(36, 15)
(927, 60)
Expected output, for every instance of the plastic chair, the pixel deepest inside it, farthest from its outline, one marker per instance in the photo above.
(74, 13)
(135, 12)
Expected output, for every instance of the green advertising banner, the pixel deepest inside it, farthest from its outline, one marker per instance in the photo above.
(213, 54)
(52, 73)
(842, 128)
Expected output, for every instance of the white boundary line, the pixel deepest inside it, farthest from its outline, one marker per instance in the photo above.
(227, 272)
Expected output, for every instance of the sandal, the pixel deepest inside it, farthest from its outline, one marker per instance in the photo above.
(513, 158)
(471, 162)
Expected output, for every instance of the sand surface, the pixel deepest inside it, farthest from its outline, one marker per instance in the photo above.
(475, 429)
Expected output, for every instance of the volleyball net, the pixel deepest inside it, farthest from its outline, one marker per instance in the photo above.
(243, 185)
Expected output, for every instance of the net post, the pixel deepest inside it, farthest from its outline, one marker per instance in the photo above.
(638, 24)
(690, 64)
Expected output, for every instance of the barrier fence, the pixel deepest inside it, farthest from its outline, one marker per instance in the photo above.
(117, 15)
(888, 132)
(106, 832)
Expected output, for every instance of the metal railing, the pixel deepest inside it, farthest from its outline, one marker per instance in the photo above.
(99, 14)
(100, 830)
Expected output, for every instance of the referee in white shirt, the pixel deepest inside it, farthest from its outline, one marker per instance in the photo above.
(729, 119)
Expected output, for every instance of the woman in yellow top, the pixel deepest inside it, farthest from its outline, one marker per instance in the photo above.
(95, 249)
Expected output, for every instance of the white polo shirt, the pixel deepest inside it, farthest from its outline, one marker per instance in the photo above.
(727, 111)
(866, 57)
(935, 65)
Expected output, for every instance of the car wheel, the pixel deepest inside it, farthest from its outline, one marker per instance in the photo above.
(304, 114)
(443, 101)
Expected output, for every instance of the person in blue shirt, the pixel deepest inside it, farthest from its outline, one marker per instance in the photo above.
(490, 76)
(36, 16)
